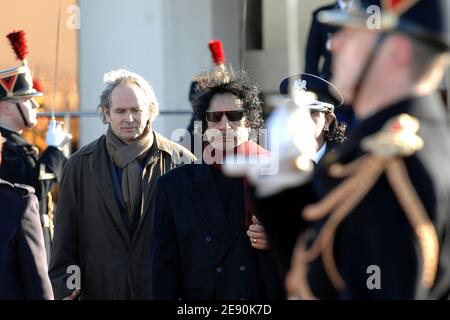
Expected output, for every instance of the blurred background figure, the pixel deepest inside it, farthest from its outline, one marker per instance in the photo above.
(23, 261)
(21, 161)
(318, 57)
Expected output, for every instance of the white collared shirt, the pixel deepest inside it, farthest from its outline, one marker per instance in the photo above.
(319, 154)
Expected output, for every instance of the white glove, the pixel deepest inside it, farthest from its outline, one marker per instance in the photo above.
(292, 145)
(56, 137)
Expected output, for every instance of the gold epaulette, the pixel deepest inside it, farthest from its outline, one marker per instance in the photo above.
(398, 138)
(385, 151)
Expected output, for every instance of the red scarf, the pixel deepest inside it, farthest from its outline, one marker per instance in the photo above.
(248, 148)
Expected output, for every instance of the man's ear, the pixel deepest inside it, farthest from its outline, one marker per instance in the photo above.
(5, 107)
(106, 114)
(329, 118)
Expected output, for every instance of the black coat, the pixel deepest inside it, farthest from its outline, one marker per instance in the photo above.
(21, 165)
(377, 232)
(23, 263)
(198, 250)
(316, 47)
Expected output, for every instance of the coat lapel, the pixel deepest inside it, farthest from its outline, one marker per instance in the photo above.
(150, 175)
(206, 199)
(100, 169)
(158, 163)
(234, 224)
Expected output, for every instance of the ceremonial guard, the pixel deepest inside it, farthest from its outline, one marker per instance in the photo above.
(21, 160)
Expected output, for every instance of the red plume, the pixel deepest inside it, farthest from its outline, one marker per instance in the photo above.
(18, 43)
(217, 53)
(37, 85)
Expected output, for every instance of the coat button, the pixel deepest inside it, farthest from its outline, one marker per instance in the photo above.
(219, 269)
(208, 239)
(242, 268)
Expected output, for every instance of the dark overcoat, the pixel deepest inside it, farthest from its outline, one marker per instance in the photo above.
(90, 231)
(198, 250)
(22, 165)
(23, 262)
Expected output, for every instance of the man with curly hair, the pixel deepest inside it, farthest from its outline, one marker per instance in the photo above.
(200, 246)
(102, 223)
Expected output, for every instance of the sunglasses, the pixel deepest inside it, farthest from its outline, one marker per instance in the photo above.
(216, 116)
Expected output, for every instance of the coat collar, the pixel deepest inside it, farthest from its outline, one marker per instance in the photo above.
(13, 136)
(100, 170)
(163, 143)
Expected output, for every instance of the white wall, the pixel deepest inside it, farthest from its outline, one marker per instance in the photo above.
(270, 65)
(117, 34)
(188, 26)
(166, 41)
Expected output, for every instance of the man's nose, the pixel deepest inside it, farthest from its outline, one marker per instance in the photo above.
(224, 122)
(129, 117)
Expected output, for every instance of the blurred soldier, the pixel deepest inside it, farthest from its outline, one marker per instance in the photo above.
(21, 161)
(373, 222)
(317, 55)
(23, 272)
(318, 58)
(102, 221)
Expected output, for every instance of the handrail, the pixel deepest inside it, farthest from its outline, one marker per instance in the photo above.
(95, 113)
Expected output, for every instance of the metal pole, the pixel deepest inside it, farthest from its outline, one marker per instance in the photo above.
(448, 89)
(67, 123)
(293, 44)
(96, 114)
(55, 84)
(243, 33)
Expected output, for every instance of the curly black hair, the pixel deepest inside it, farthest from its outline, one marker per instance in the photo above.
(239, 84)
(336, 132)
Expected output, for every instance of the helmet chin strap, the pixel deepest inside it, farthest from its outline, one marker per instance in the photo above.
(27, 124)
(365, 71)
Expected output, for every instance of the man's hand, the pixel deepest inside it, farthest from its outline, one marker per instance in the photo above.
(73, 295)
(257, 235)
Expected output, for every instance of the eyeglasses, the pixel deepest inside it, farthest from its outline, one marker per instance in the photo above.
(216, 116)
